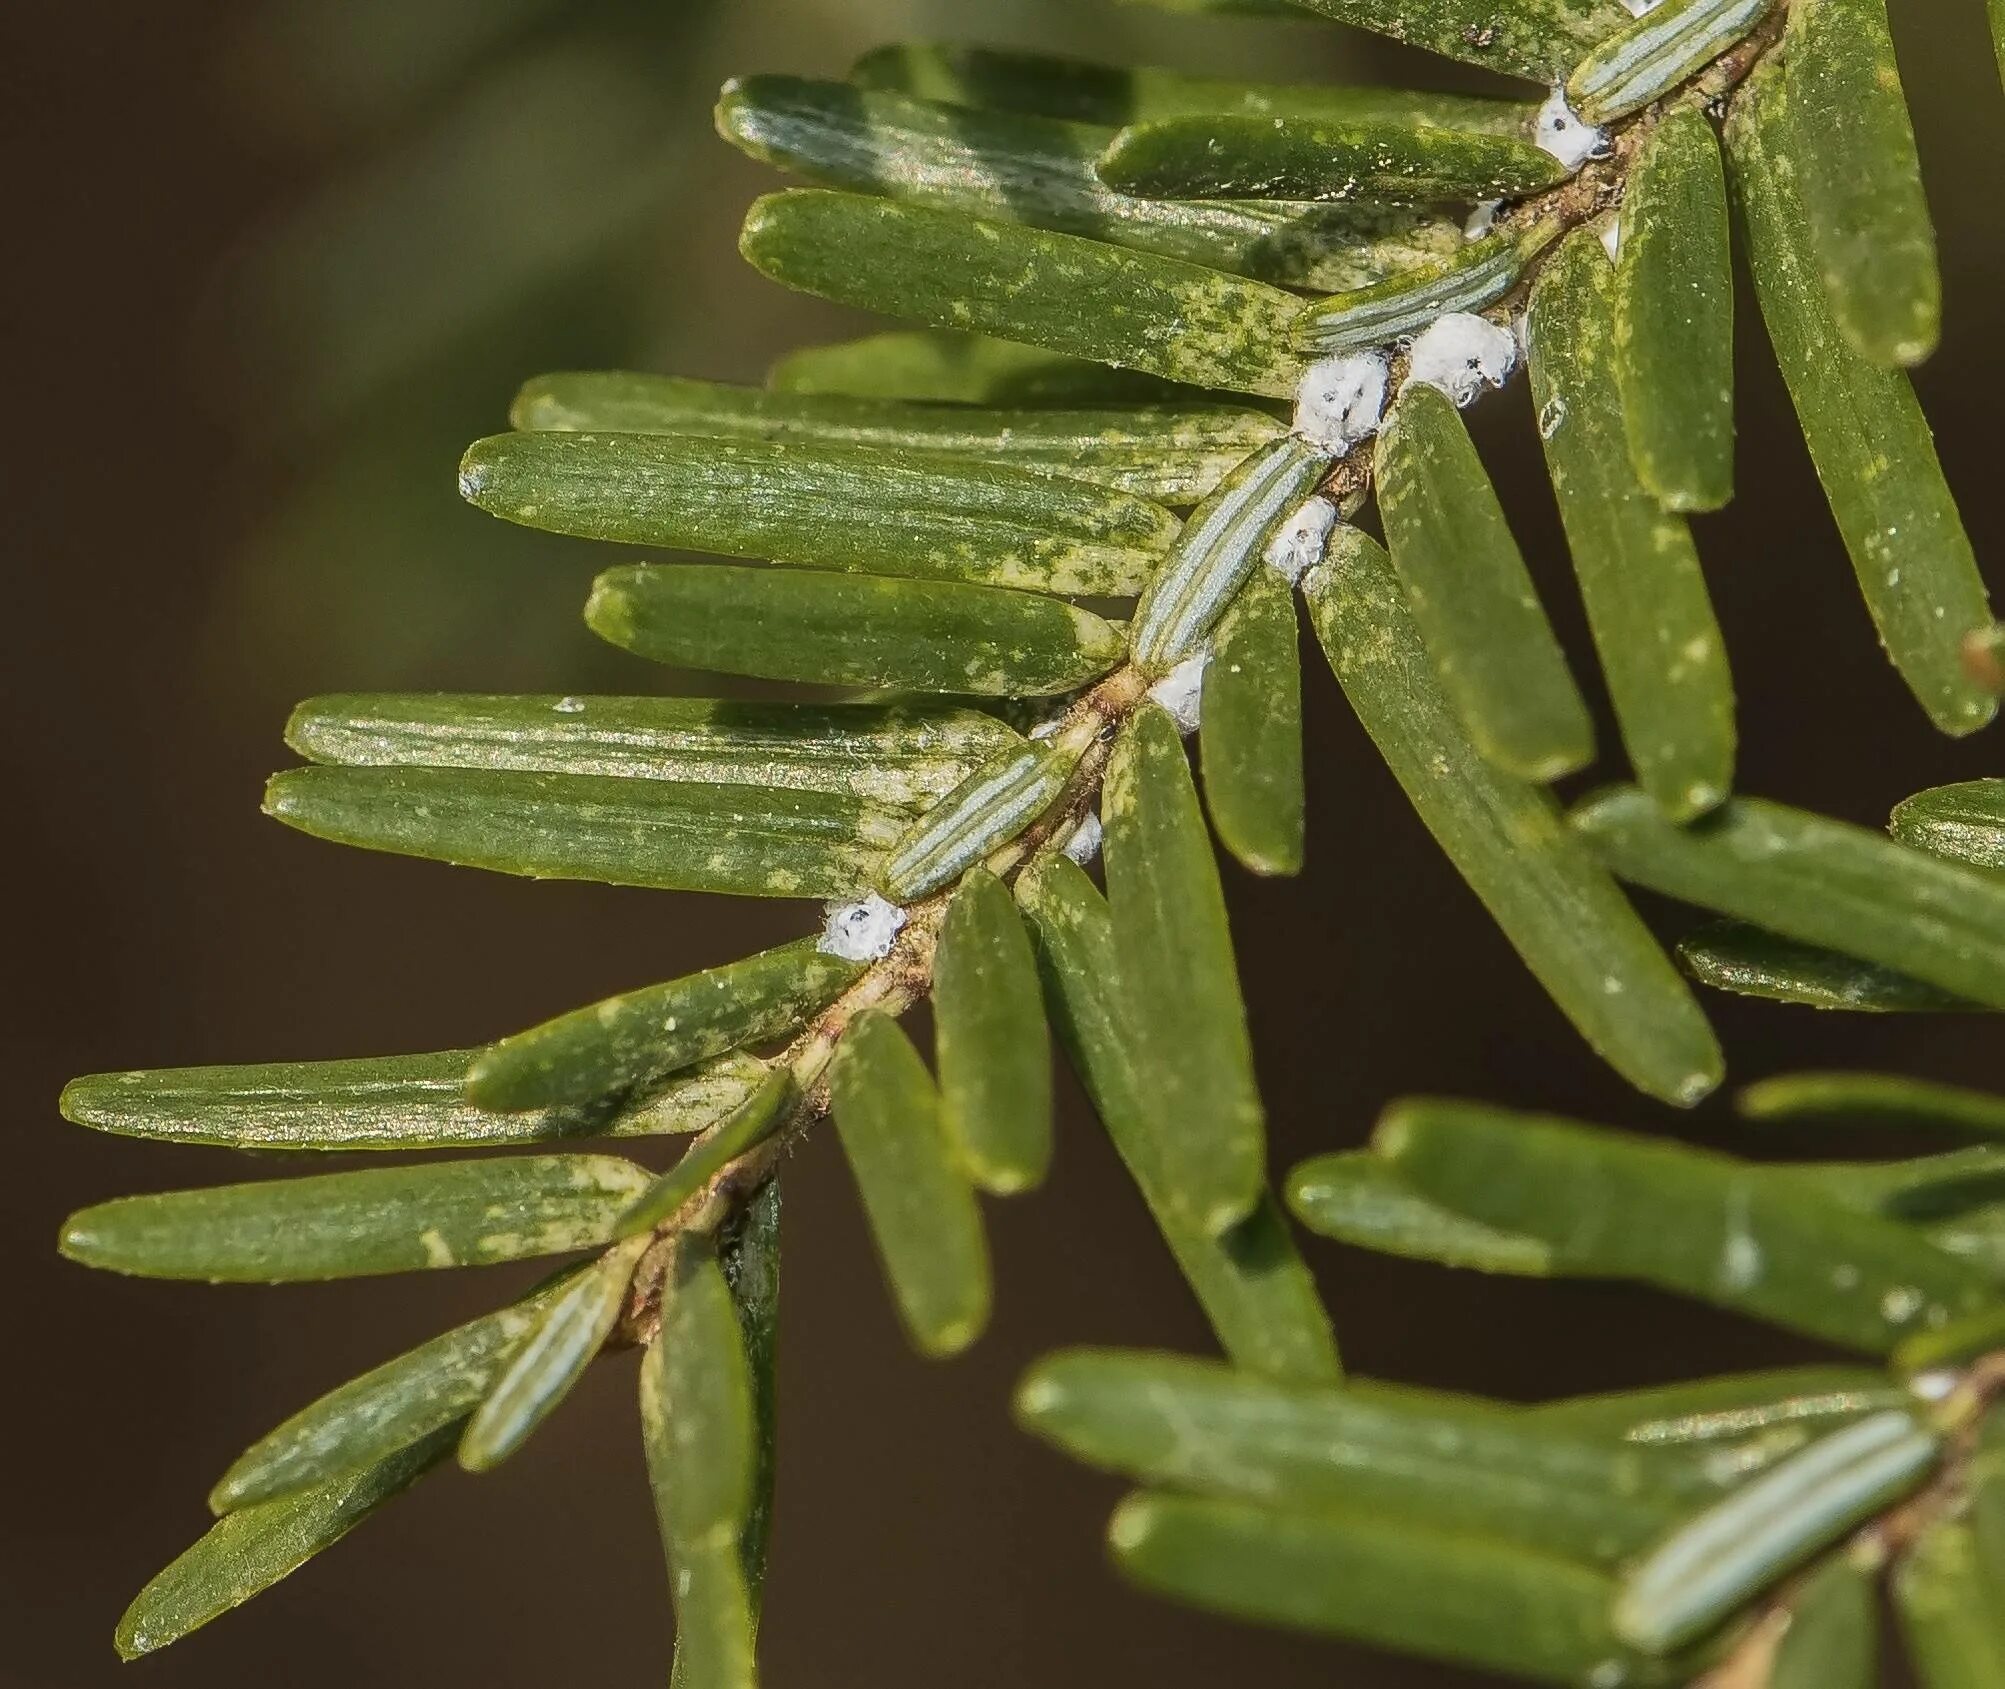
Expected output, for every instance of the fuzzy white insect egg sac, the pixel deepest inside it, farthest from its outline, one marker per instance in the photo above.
(1181, 691)
(1298, 544)
(1084, 844)
(1461, 354)
(1340, 400)
(1561, 131)
(862, 932)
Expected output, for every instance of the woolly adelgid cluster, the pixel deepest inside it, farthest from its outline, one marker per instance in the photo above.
(1173, 329)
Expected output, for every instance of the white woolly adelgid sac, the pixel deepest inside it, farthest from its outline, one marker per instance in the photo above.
(1181, 691)
(1482, 220)
(1561, 132)
(862, 932)
(1341, 399)
(1461, 354)
(1933, 1386)
(1084, 844)
(1298, 543)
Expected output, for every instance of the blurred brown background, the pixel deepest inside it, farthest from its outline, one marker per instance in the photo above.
(270, 263)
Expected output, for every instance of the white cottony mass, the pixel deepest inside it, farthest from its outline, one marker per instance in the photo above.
(1298, 544)
(1461, 354)
(1562, 133)
(862, 932)
(1341, 399)
(1084, 844)
(1181, 691)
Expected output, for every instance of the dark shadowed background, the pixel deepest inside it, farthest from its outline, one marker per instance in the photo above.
(270, 263)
